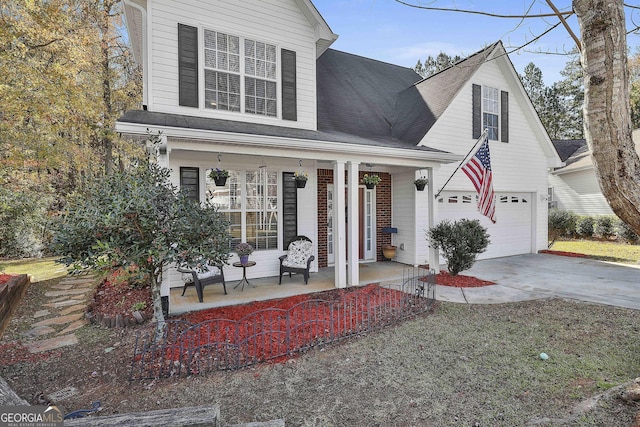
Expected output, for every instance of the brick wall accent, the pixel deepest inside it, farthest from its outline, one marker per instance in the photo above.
(383, 213)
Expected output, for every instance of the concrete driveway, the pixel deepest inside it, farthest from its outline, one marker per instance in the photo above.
(535, 276)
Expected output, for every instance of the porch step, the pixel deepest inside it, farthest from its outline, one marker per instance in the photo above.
(272, 423)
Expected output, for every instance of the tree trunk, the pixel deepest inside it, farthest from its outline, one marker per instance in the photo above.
(107, 142)
(607, 115)
(157, 304)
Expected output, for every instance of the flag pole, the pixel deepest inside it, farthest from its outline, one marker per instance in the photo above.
(482, 136)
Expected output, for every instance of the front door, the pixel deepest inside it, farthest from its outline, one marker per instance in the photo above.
(366, 216)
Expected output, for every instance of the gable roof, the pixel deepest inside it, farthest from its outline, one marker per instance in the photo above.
(377, 100)
(420, 106)
(567, 147)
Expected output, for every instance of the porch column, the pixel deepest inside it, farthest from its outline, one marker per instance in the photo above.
(353, 226)
(339, 226)
(434, 257)
(162, 152)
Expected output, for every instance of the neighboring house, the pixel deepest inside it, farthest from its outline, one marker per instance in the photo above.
(252, 87)
(574, 187)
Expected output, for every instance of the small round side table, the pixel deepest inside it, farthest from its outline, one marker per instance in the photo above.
(244, 274)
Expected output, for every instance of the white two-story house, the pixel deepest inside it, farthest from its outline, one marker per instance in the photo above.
(253, 87)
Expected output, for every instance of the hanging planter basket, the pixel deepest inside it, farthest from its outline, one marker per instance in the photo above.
(220, 181)
(420, 187)
(370, 186)
(301, 183)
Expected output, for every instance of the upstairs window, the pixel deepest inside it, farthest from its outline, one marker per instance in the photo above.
(239, 74)
(228, 80)
(221, 71)
(490, 111)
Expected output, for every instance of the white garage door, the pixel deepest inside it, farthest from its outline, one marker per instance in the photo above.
(510, 235)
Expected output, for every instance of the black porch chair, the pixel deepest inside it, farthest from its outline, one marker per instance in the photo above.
(298, 258)
(201, 277)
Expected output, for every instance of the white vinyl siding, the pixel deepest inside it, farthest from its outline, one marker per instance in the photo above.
(579, 192)
(520, 166)
(279, 23)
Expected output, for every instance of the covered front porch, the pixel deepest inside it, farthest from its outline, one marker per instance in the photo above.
(267, 288)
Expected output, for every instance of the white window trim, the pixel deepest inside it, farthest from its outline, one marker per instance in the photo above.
(244, 210)
(201, 80)
(497, 113)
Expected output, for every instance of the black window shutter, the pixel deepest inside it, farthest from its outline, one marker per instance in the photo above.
(289, 96)
(188, 65)
(190, 182)
(289, 208)
(476, 100)
(504, 119)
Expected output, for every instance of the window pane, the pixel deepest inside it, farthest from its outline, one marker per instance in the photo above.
(249, 48)
(223, 64)
(221, 40)
(234, 44)
(209, 58)
(250, 66)
(209, 39)
(271, 53)
(234, 63)
(260, 50)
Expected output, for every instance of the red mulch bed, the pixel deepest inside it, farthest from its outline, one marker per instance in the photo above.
(562, 253)
(460, 281)
(237, 312)
(288, 325)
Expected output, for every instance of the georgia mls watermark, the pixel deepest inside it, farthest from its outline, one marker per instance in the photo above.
(31, 416)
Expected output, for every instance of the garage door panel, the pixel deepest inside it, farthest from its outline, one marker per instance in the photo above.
(512, 232)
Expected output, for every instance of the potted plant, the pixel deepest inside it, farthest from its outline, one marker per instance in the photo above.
(301, 179)
(244, 250)
(420, 183)
(219, 176)
(370, 181)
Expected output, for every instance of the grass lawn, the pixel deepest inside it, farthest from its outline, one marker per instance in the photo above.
(41, 268)
(604, 251)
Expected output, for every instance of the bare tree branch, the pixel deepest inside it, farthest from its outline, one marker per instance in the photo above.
(566, 26)
(476, 12)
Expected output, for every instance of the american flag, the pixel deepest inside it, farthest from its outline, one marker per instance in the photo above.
(478, 169)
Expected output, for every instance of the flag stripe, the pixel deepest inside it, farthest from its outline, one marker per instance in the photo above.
(478, 170)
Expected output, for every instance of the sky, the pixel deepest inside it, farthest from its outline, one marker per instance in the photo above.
(391, 32)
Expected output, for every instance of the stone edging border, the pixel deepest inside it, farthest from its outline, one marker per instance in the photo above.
(117, 321)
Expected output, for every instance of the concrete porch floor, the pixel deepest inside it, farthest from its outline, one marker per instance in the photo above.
(267, 287)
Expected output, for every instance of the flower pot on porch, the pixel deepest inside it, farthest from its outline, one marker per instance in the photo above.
(300, 183)
(420, 187)
(220, 181)
(244, 259)
(370, 186)
(389, 251)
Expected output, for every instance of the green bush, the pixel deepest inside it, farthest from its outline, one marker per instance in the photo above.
(460, 242)
(561, 223)
(625, 233)
(605, 226)
(584, 226)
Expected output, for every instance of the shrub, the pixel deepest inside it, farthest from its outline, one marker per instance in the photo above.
(605, 226)
(460, 242)
(624, 232)
(137, 217)
(584, 226)
(561, 223)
